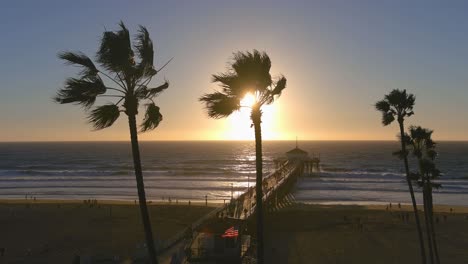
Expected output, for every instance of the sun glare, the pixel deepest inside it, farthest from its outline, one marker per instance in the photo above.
(240, 123)
(248, 100)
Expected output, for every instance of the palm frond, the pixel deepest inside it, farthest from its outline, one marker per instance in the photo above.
(248, 73)
(269, 96)
(395, 97)
(409, 102)
(104, 116)
(387, 118)
(81, 60)
(152, 118)
(253, 69)
(230, 84)
(419, 133)
(80, 91)
(145, 52)
(402, 101)
(220, 105)
(406, 138)
(115, 53)
(152, 92)
(144, 46)
(422, 143)
(279, 87)
(143, 92)
(382, 106)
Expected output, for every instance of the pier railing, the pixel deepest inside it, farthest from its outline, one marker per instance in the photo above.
(243, 206)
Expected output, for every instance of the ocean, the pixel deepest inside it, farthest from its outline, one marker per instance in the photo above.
(352, 172)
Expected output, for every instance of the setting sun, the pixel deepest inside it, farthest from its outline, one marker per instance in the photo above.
(240, 123)
(248, 101)
(234, 132)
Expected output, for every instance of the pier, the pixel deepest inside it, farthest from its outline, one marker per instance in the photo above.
(275, 187)
(220, 237)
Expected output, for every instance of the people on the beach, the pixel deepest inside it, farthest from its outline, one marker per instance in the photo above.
(360, 224)
(91, 202)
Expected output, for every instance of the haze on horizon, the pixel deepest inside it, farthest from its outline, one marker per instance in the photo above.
(339, 58)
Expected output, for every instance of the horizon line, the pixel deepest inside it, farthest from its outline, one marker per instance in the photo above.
(221, 140)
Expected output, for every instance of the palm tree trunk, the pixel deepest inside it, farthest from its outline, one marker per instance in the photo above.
(256, 119)
(431, 218)
(413, 199)
(141, 190)
(428, 227)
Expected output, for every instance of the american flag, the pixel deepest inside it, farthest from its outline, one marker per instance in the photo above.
(231, 232)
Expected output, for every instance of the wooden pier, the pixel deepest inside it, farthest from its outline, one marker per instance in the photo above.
(276, 186)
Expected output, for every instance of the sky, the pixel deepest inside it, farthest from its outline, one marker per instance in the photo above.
(339, 57)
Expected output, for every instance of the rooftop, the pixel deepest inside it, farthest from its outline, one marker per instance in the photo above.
(297, 151)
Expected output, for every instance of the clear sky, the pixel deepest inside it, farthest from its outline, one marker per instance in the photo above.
(339, 57)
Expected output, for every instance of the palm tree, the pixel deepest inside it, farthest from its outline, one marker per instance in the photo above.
(423, 148)
(249, 74)
(130, 77)
(399, 105)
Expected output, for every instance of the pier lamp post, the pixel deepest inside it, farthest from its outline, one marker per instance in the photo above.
(232, 191)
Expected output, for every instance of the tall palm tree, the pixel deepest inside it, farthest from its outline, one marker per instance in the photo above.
(423, 148)
(249, 73)
(130, 76)
(399, 105)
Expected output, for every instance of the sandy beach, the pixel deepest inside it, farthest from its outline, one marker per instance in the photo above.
(52, 231)
(332, 234)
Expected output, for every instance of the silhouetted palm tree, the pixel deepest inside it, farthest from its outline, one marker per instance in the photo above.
(130, 77)
(423, 148)
(249, 73)
(399, 105)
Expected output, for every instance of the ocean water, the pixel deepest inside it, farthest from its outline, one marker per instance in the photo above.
(354, 172)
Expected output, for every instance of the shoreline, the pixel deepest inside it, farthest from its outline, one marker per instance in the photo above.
(439, 208)
(105, 202)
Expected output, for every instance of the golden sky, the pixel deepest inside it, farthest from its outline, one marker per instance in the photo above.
(339, 59)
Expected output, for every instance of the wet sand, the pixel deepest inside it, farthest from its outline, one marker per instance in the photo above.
(332, 234)
(51, 231)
